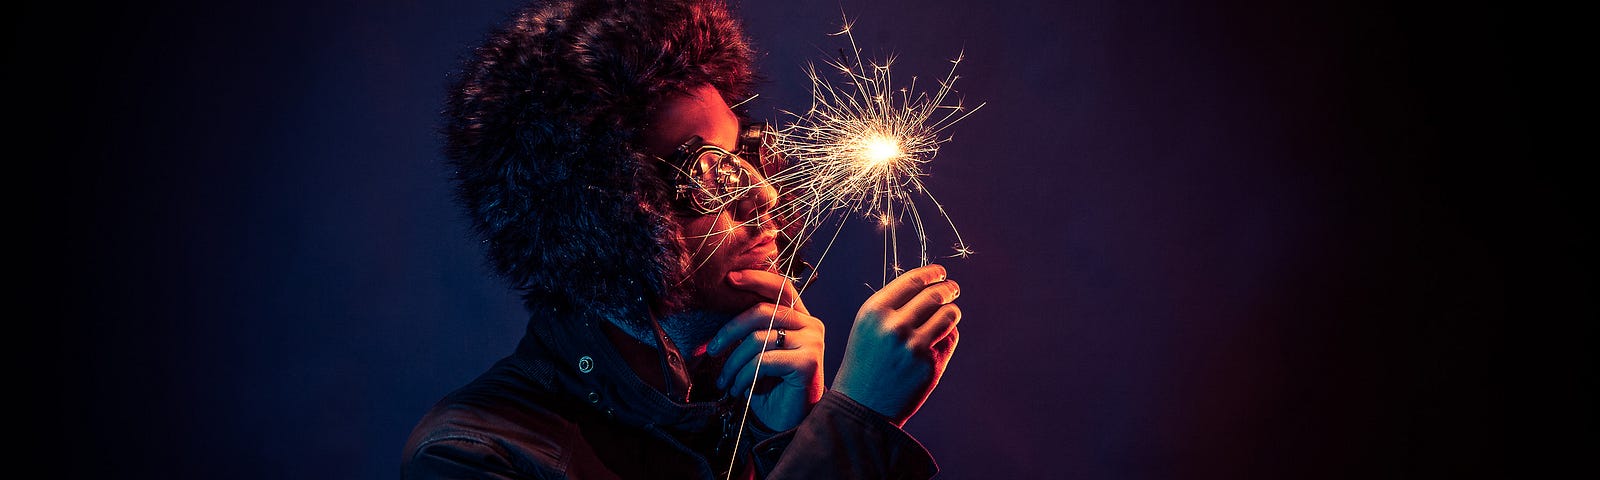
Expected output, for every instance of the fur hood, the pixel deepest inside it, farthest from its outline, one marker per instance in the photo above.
(541, 125)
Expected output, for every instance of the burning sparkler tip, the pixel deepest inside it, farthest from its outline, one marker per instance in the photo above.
(880, 149)
(862, 144)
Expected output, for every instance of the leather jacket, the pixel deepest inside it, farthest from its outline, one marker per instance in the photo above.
(577, 400)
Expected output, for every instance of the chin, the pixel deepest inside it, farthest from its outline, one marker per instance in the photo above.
(723, 299)
(712, 293)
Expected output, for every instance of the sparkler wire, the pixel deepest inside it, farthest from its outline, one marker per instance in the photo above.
(858, 150)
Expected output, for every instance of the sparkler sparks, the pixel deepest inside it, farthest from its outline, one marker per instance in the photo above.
(861, 148)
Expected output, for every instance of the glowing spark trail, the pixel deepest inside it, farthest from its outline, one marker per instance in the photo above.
(860, 149)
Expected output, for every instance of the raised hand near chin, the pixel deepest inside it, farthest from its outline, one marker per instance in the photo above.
(791, 369)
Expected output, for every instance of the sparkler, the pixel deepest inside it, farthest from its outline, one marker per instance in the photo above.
(860, 150)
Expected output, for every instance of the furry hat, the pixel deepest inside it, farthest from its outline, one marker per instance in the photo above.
(542, 128)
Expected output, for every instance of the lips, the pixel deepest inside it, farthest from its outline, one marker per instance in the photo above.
(761, 256)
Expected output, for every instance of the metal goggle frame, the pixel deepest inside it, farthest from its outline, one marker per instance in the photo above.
(710, 178)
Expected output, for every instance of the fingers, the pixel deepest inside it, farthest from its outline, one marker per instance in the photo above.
(947, 345)
(759, 317)
(771, 286)
(930, 300)
(795, 367)
(746, 351)
(905, 287)
(939, 327)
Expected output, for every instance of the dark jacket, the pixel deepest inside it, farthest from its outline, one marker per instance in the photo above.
(567, 404)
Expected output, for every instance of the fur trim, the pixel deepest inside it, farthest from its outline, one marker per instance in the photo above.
(541, 125)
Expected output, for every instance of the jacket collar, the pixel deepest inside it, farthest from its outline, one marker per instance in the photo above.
(571, 354)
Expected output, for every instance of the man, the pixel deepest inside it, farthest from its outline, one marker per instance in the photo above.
(596, 154)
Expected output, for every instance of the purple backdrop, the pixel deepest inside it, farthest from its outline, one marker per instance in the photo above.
(1237, 239)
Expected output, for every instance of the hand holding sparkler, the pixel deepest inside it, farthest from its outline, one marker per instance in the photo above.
(860, 150)
(901, 342)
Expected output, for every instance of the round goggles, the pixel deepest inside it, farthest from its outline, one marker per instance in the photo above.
(710, 178)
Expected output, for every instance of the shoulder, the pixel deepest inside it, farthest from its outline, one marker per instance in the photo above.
(495, 427)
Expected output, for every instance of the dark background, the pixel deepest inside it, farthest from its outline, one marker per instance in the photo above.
(1235, 239)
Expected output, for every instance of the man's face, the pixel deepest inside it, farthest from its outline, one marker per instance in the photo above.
(741, 236)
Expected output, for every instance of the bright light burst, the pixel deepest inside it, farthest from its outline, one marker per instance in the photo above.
(860, 149)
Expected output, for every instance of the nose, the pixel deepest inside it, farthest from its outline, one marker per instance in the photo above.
(755, 209)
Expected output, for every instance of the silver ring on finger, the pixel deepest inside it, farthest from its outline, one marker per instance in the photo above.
(782, 335)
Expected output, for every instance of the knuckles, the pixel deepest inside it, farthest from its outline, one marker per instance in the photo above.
(952, 310)
(949, 292)
(870, 316)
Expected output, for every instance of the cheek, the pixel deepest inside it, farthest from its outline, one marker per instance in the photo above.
(708, 236)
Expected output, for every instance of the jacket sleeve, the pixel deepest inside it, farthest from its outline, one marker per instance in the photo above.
(457, 457)
(845, 440)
